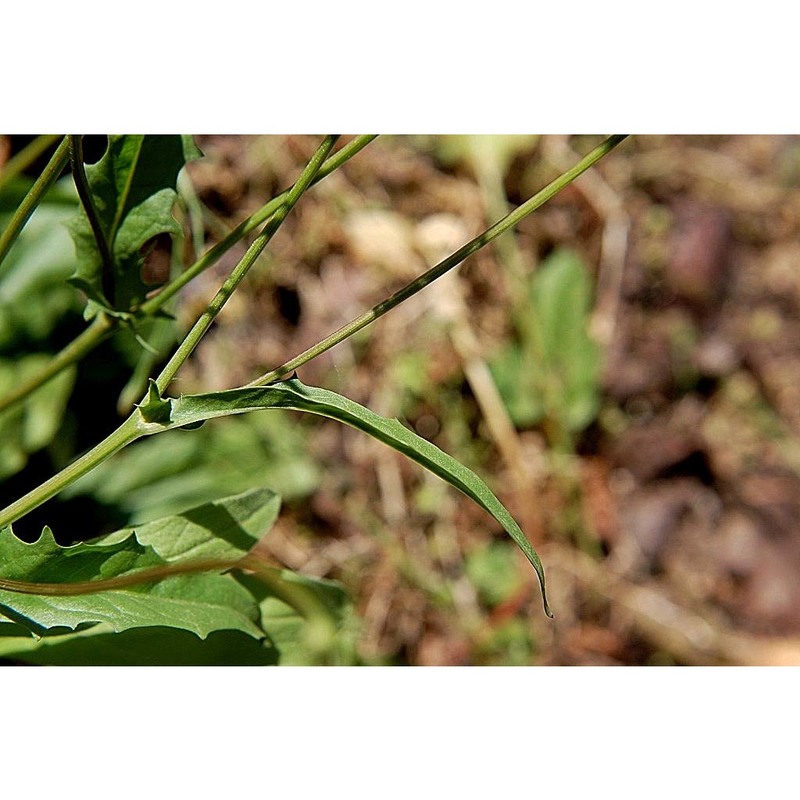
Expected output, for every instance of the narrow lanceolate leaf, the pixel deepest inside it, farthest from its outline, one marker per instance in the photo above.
(293, 394)
(133, 192)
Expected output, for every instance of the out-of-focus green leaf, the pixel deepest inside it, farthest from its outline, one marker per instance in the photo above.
(301, 640)
(494, 573)
(501, 149)
(553, 371)
(292, 394)
(34, 294)
(30, 425)
(133, 191)
(163, 475)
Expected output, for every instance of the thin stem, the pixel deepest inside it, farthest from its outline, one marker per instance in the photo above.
(132, 428)
(22, 160)
(253, 252)
(121, 437)
(509, 221)
(241, 230)
(34, 197)
(104, 325)
(84, 343)
(85, 195)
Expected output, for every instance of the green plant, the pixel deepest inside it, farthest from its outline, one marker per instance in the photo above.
(186, 587)
(550, 375)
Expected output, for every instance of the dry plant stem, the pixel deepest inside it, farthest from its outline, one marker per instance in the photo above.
(148, 575)
(303, 602)
(133, 427)
(443, 267)
(500, 426)
(34, 197)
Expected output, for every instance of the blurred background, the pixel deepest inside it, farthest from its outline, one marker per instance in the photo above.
(623, 370)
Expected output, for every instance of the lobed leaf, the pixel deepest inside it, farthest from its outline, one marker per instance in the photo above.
(199, 603)
(194, 619)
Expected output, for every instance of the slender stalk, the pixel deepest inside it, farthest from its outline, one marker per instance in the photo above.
(121, 437)
(253, 252)
(34, 197)
(84, 343)
(265, 212)
(22, 160)
(132, 428)
(85, 195)
(507, 222)
(104, 325)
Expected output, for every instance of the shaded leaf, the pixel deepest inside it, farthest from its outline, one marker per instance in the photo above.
(139, 647)
(133, 191)
(34, 295)
(30, 425)
(226, 528)
(301, 639)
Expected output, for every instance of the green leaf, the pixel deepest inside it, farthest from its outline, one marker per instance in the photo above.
(494, 573)
(34, 295)
(200, 603)
(553, 371)
(154, 409)
(31, 425)
(241, 620)
(140, 647)
(133, 191)
(162, 475)
(292, 394)
(224, 529)
(302, 640)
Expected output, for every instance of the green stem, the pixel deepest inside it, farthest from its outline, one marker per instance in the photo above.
(34, 197)
(85, 195)
(509, 221)
(253, 252)
(265, 212)
(133, 427)
(84, 343)
(104, 325)
(22, 160)
(126, 433)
